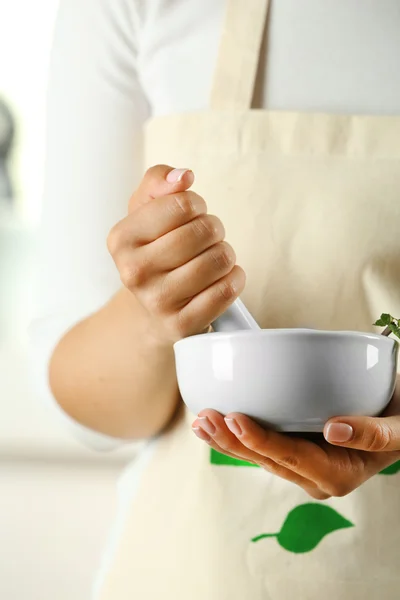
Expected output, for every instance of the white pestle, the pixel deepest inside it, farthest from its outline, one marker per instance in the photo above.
(235, 318)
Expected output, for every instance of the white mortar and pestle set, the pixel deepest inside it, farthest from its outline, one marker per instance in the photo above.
(292, 380)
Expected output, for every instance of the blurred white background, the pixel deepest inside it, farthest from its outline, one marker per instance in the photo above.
(57, 499)
(25, 38)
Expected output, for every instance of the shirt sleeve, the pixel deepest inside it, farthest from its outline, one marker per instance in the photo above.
(95, 112)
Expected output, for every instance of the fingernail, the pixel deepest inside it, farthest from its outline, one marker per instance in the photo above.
(233, 426)
(201, 434)
(339, 433)
(176, 175)
(207, 425)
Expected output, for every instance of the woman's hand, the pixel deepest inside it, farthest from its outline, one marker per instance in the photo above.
(115, 370)
(354, 448)
(172, 256)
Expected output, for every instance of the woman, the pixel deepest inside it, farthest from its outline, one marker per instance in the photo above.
(309, 203)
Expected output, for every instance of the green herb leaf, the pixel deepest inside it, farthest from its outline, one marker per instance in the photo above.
(390, 322)
(305, 527)
(386, 319)
(395, 329)
(379, 323)
(392, 469)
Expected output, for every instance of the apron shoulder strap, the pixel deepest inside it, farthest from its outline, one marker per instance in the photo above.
(238, 57)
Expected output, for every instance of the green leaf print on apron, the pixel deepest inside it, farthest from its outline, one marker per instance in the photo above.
(392, 470)
(290, 188)
(216, 458)
(305, 527)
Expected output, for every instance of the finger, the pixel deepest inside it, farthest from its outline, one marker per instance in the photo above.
(380, 434)
(174, 283)
(316, 493)
(154, 220)
(166, 214)
(216, 433)
(200, 273)
(203, 435)
(222, 439)
(208, 305)
(301, 456)
(160, 180)
(181, 245)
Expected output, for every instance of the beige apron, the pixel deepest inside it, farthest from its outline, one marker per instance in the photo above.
(311, 203)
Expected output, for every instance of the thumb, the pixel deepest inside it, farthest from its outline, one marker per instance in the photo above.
(158, 181)
(380, 434)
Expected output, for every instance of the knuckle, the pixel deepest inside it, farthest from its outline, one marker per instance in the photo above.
(182, 204)
(289, 462)
(216, 226)
(268, 464)
(378, 438)
(226, 291)
(317, 494)
(237, 278)
(114, 240)
(133, 275)
(223, 256)
(338, 489)
(204, 228)
(120, 237)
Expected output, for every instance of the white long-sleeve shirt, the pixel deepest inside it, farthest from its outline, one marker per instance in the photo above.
(117, 62)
